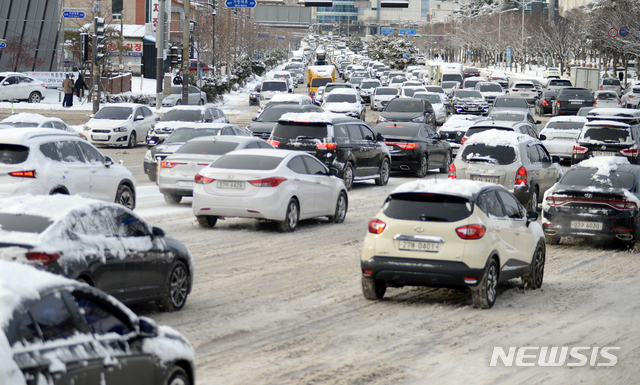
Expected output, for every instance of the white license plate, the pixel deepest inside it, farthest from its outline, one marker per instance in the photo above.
(576, 102)
(100, 137)
(230, 185)
(603, 153)
(431, 247)
(580, 225)
(185, 184)
(454, 151)
(488, 179)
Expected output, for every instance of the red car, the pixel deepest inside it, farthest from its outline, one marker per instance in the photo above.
(470, 71)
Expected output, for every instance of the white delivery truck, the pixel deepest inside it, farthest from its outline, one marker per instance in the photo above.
(585, 77)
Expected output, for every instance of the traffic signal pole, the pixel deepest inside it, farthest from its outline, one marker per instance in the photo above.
(98, 53)
(185, 52)
(160, 44)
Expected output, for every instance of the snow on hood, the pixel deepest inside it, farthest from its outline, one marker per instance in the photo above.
(571, 118)
(458, 123)
(107, 123)
(497, 138)
(459, 187)
(170, 345)
(24, 117)
(340, 107)
(288, 98)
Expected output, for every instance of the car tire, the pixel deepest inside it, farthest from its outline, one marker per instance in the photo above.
(533, 279)
(172, 199)
(533, 201)
(176, 287)
(373, 289)
(200, 102)
(552, 239)
(207, 221)
(484, 295)
(424, 166)
(35, 97)
(179, 103)
(178, 377)
(342, 205)
(132, 140)
(385, 169)
(126, 197)
(447, 162)
(347, 176)
(291, 217)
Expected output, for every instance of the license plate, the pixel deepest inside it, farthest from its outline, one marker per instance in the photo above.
(230, 185)
(488, 179)
(576, 102)
(100, 137)
(185, 184)
(431, 247)
(580, 225)
(454, 151)
(603, 153)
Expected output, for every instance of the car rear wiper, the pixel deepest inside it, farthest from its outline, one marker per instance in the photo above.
(306, 137)
(424, 218)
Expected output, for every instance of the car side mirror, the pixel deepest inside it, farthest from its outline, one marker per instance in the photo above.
(108, 161)
(138, 118)
(538, 121)
(254, 118)
(147, 327)
(555, 159)
(333, 171)
(542, 137)
(532, 216)
(157, 232)
(379, 137)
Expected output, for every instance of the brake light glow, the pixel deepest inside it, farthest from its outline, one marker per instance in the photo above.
(268, 182)
(164, 164)
(327, 146)
(515, 90)
(404, 146)
(463, 140)
(618, 204)
(42, 258)
(471, 231)
(600, 86)
(578, 150)
(367, 272)
(24, 174)
(521, 176)
(376, 226)
(594, 102)
(200, 179)
(452, 171)
(274, 143)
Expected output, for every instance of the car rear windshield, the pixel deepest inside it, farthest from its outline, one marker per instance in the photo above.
(591, 177)
(508, 117)
(570, 92)
(340, 98)
(452, 77)
(273, 86)
(607, 134)
(404, 105)
(435, 89)
(114, 113)
(334, 86)
(273, 114)
(206, 147)
(320, 82)
(565, 125)
(293, 130)
(524, 85)
(427, 207)
(489, 154)
(564, 83)
(511, 102)
(386, 91)
(610, 82)
(490, 88)
(434, 99)
(469, 94)
(366, 85)
(186, 134)
(472, 83)
(247, 162)
(607, 96)
(24, 223)
(182, 116)
(13, 153)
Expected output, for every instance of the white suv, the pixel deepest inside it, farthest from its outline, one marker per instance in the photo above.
(122, 124)
(17, 86)
(48, 161)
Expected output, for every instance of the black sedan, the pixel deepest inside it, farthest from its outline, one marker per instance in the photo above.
(263, 123)
(416, 110)
(103, 244)
(465, 101)
(415, 147)
(596, 198)
(544, 102)
(570, 99)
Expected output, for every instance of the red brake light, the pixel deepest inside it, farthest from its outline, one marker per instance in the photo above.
(464, 139)
(618, 204)
(24, 174)
(594, 102)
(376, 226)
(521, 176)
(202, 179)
(327, 146)
(164, 164)
(600, 86)
(471, 231)
(577, 150)
(633, 151)
(274, 143)
(43, 258)
(558, 103)
(404, 146)
(268, 182)
(515, 89)
(452, 171)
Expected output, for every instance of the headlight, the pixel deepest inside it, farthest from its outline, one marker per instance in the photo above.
(419, 119)
(120, 129)
(253, 95)
(148, 157)
(382, 119)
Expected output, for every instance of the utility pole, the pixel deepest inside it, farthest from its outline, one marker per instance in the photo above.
(160, 44)
(185, 52)
(552, 10)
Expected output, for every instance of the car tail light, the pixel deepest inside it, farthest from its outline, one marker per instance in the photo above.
(521, 176)
(268, 182)
(544, 103)
(471, 231)
(600, 86)
(452, 171)
(327, 146)
(515, 90)
(201, 179)
(43, 258)
(632, 96)
(404, 146)
(558, 104)
(618, 204)
(164, 164)
(376, 226)
(618, 101)
(594, 102)
(464, 139)
(24, 174)
(578, 150)
(633, 151)
(274, 143)
(367, 272)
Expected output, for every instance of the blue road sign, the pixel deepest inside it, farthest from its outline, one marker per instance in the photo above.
(440, 38)
(3, 44)
(387, 31)
(281, 38)
(624, 32)
(407, 32)
(405, 55)
(263, 35)
(73, 15)
(241, 3)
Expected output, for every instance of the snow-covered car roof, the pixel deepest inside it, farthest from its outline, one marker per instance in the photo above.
(345, 91)
(311, 117)
(498, 73)
(22, 134)
(206, 125)
(527, 82)
(604, 164)
(570, 118)
(459, 187)
(508, 112)
(278, 153)
(132, 105)
(190, 108)
(496, 138)
(458, 122)
(613, 113)
(599, 123)
(289, 98)
(25, 117)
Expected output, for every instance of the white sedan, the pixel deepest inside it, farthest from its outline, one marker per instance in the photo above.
(122, 124)
(278, 185)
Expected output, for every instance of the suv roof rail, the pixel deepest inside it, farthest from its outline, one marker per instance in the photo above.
(616, 114)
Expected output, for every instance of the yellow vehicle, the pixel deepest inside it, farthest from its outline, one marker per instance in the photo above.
(319, 76)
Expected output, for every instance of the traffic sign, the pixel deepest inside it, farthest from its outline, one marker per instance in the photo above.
(613, 32)
(241, 3)
(263, 35)
(73, 15)
(3, 44)
(405, 56)
(440, 38)
(407, 32)
(281, 38)
(387, 31)
(624, 32)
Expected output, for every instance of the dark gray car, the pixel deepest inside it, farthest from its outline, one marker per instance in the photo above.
(415, 110)
(263, 124)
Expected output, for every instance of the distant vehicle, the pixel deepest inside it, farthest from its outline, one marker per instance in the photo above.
(609, 132)
(268, 88)
(570, 99)
(196, 97)
(416, 110)
(467, 101)
(555, 84)
(611, 84)
(526, 90)
(560, 135)
(437, 102)
(382, 96)
(606, 99)
(470, 72)
(21, 87)
(180, 116)
(263, 124)
(455, 128)
(544, 102)
(550, 72)
(24, 119)
(500, 78)
(489, 90)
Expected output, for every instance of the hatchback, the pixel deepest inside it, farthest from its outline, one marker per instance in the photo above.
(178, 116)
(381, 97)
(345, 101)
(610, 84)
(458, 234)
(58, 331)
(45, 161)
(631, 98)
(102, 244)
(606, 99)
(560, 134)
(123, 124)
(21, 87)
(526, 90)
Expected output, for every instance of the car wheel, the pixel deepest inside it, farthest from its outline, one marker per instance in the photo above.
(424, 166)
(484, 295)
(373, 289)
(348, 176)
(342, 205)
(200, 102)
(533, 279)
(35, 97)
(207, 221)
(290, 222)
(172, 199)
(132, 140)
(552, 239)
(179, 102)
(178, 377)
(177, 287)
(385, 169)
(447, 163)
(152, 176)
(533, 202)
(126, 197)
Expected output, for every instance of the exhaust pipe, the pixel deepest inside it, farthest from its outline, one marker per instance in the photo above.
(404, 168)
(550, 232)
(624, 237)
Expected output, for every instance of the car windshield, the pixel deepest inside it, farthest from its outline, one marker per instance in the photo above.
(607, 134)
(320, 82)
(511, 102)
(185, 134)
(182, 116)
(247, 162)
(334, 86)
(13, 153)
(24, 223)
(272, 114)
(565, 125)
(427, 207)
(490, 88)
(405, 105)
(592, 177)
(273, 86)
(481, 152)
(340, 98)
(468, 94)
(434, 99)
(386, 91)
(207, 147)
(507, 116)
(114, 113)
(367, 85)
